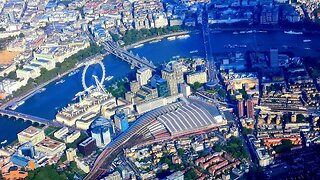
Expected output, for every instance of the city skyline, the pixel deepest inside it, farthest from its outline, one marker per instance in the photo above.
(159, 89)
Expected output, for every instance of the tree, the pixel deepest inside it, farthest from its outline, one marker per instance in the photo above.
(246, 130)
(114, 36)
(300, 118)
(244, 94)
(217, 147)
(285, 146)
(203, 154)
(196, 85)
(12, 75)
(47, 172)
(190, 175)
(235, 148)
(180, 152)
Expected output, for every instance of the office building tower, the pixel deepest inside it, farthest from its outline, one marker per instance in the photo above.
(101, 131)
(87, 146)
(173, 74)
(240, 108)
(162, 87)
(274, 58)
(170, 77)
(121, 120)
(28, 150)
(177, 68)
(143, 75)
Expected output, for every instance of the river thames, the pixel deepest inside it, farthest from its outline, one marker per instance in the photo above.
(56, 96)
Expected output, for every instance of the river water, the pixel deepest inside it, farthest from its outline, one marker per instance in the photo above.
(57, 96)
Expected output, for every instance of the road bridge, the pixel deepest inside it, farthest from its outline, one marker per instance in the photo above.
(127, 56)
(207, 46)
(26, 117)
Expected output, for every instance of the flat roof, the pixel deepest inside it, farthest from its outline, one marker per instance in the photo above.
(87, 141)
(30, 132)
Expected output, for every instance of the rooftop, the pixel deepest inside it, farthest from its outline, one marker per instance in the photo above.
(49, 143)
(30, 132)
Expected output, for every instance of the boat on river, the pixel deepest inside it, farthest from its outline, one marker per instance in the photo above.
(139, 45)
(60, 82)
(4, 142)
(172, 38)
(15, 106)
(73, 72)
(155, 41)
(194, 51)
(41, 90)
(186, 36)
(293, 32)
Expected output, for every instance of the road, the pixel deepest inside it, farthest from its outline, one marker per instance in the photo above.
(207, 46)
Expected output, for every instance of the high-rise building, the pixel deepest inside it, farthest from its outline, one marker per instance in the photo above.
(101, 131)
(121, 120)
(177, 68)
(87, 146)
(162, 87)
(173, 73)
(170, 77)
(240, 108)
(274, 58)
(28, 150)
(143, 75)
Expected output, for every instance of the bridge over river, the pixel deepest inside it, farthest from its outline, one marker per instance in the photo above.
(26, 117)
(127, 56)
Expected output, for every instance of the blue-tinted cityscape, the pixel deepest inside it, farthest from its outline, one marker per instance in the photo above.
(159, 89)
